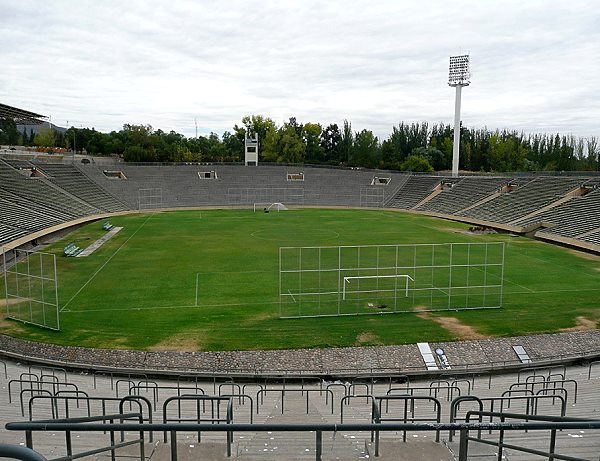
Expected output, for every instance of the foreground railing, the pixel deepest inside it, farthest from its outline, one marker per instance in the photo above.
(19, 452)
(550, 424)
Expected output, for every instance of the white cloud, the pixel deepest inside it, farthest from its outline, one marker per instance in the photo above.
(376, 63)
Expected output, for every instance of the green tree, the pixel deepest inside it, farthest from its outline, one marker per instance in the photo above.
(134, 153)
(45, 137)
(346, 143)
(416, 163)
(270, 147)
(331, 139)
(8, 131)
(257, 124)
(434, 156)
(366, 150)
(311, 133)
(292, 147)
(234, 147)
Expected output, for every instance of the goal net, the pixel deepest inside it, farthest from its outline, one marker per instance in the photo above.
(31, 288)
(355, 280)
(266, 207)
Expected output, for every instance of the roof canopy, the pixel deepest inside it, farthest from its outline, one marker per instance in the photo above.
(20, 116)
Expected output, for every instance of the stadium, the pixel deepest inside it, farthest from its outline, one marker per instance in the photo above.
(297, 311)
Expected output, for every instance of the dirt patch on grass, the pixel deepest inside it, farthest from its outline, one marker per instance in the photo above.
(261, 317)
(120, 340)
(189, 341)
(11, 301)
(598, 269)
(451, 324)
(582, 324)
(367, 337)
(584, 255)
(6, 325)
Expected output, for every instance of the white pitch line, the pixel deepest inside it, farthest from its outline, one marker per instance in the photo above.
(103, 265)
(174, 307)
(519, 285)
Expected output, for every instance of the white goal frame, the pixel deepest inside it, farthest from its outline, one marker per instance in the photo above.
(269, 205)
(348, 279)
(31, 288)
(352, 280)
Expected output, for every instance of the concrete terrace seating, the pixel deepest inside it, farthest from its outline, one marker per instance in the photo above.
(64, 192)
(70, 179)
(415, 189)
(310, 401)
(525, 199)
(37, 190)
(24, 218)
(240, 185)
(593, 238)
(572, 218)
(463, 194)
(9, 233)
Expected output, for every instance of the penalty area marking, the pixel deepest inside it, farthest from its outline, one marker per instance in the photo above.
(172, 307)
(104, 265)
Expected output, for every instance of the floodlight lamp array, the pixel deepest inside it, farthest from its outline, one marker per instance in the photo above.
(459, 72)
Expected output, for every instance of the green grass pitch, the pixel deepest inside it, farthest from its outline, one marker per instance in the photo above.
(139, 289)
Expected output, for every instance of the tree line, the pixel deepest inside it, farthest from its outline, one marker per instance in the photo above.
(409, 147)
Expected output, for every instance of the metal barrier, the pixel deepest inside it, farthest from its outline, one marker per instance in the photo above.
(541, 423)
(531, 405)
(547, 385)
(450, 390)
(78, 424)
(262, 392)
(19, 452)
(55, 399)
(500, 445)
(590, 366)
(215, 417)
(406, 417)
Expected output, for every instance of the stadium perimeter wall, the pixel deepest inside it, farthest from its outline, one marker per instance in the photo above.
(495, 355)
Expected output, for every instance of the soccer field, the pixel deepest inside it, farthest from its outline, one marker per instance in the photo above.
(210, 280)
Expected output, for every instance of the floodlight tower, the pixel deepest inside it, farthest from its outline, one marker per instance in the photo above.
(459, 76)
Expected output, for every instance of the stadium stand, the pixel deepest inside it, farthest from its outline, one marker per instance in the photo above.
(9, 233)
(592, 238)
(37, 190)
(66, 192)
(523, 200)
(24, 218)
(572, 218)
(70, 179)
(40, 193)
(413, 191)
(464, 193)
(555, 392)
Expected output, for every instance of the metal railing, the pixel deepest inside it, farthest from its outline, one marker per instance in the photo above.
(89, 425)
(550, 454)
(19, 452)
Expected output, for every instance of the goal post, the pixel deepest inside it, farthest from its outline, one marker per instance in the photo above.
(269, 206)
(31, 288)
(367, 279)
(348, 280)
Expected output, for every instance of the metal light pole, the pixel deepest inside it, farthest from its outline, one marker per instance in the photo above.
(459, 76)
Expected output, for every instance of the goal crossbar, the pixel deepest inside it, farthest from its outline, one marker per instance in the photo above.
(359, 277)
(267, 206)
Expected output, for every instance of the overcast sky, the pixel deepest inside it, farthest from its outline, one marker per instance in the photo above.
(535, 64)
